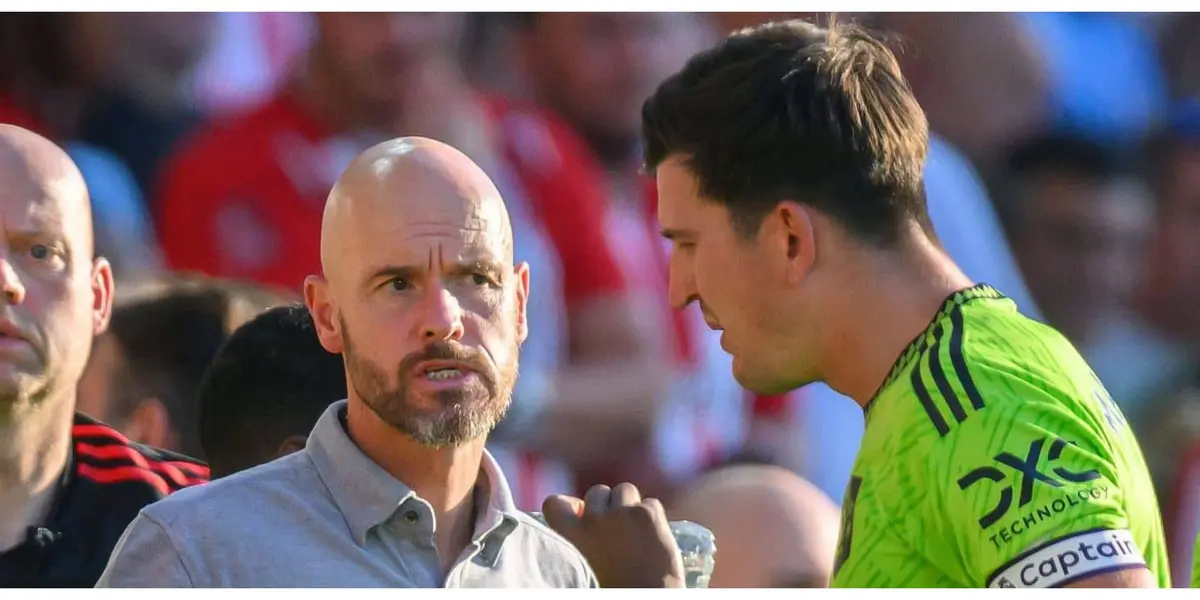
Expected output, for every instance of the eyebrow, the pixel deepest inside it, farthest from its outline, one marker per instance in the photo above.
(389, 272)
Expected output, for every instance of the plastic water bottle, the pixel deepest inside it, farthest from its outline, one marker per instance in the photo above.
(697, 547)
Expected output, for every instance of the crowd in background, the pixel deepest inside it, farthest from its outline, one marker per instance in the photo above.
(1064, 169)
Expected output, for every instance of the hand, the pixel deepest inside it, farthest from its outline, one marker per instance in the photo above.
(626, 540)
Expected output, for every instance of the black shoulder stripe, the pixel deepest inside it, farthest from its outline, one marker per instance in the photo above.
(935, 416)
(960, 361)
(939, 377)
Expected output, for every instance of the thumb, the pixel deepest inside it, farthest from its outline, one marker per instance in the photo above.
(562, 514)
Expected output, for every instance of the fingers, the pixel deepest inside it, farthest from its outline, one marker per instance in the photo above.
(625, 494)
(562, 514)
(597, 500)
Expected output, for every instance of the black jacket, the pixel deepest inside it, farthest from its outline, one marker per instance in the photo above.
(107, 481)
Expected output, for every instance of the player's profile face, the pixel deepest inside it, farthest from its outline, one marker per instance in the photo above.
(728, 277)
(431, 317)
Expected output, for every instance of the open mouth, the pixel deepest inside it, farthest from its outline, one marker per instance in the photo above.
(444, 374)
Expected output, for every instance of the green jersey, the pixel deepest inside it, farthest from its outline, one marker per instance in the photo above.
(993, 457)
(1196, 564)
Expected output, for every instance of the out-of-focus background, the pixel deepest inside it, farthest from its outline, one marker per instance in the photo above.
(1064, 169)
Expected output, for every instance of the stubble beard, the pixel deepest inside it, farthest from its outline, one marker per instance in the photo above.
(465, 414)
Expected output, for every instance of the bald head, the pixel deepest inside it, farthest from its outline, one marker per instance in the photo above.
(38, 174)
(772, 528)
(417, 254)
(410, 183)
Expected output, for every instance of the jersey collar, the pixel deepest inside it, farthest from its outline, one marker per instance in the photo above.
(921, 342)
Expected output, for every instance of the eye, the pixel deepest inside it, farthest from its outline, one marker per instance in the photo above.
(399, 284)
(40, 251)
(480, 279)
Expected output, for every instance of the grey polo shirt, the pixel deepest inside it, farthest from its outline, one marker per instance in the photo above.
(328, 516)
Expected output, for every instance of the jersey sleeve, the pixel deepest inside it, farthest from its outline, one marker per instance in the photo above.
(1030, 488)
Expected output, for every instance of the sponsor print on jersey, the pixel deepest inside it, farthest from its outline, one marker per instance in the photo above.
(1019, 475)
(1070, 559)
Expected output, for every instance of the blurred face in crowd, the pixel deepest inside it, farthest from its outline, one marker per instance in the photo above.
(736, 282)
(1176, 252)
(378, 58)
(596, 69)
(177, 41)
(98, 385)
(55, 297)
(1080, 243)
(421, 296)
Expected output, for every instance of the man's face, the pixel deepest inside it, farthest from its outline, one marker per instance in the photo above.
(1176, 253)
(1079, 246)
(431, 313)
(177, 40)
(596, 69)
(53, 296)
(739, 284)
(379, 57)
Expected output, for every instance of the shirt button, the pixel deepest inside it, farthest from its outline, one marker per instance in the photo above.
(412, 516)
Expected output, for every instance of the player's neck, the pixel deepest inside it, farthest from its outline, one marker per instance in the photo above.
(34, 446)
(445, 477)
(900, 297)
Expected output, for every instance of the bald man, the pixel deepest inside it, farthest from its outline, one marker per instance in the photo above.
(421, 296)
(63, 476)
(773, 529)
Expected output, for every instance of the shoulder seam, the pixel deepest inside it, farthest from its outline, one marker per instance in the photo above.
(174, 547)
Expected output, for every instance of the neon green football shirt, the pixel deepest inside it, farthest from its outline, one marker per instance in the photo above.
(993, 457)
(1196, 564)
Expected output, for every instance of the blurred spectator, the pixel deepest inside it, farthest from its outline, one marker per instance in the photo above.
(595, 70)
(1078, 220)
(978, 76)
(245, 197)
(783, 532)
(1082, 93)
(265, 390)
(144, 372)
(50, 63)
(1149, 357)
(145, 105)
(1179, 48)
(251, 56)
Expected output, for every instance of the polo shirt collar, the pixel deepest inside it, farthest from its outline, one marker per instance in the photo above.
(367, 495)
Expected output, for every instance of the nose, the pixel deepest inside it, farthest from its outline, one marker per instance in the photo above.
(11, 287)
(681, 288)
(441, 317)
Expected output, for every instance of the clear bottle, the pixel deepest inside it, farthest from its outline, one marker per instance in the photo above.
(697, 547)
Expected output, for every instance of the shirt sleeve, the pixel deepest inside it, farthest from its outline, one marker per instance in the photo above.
(145, 557)
(1032, 496)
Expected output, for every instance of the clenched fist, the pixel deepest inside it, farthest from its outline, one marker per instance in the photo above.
(626, 540)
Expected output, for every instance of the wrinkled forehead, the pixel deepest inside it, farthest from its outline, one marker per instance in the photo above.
(416, 209)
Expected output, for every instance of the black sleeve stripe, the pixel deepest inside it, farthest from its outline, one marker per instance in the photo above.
(935, 416)
(939, 377)
(960, 361)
